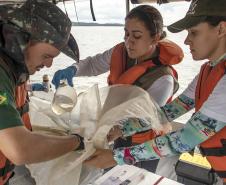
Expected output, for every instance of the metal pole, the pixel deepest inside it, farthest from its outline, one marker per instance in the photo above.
(127, 7)
(91, 9)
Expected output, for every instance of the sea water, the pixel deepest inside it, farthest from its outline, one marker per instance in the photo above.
(64, 100)
(96, 39)
(62, 104)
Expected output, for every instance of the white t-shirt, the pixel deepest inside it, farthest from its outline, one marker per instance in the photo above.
(215, 106)
(161, 90)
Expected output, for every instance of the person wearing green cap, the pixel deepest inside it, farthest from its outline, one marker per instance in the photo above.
(31, 36)
(205, 22)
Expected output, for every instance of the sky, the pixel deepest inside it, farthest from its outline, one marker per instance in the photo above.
(114, 11)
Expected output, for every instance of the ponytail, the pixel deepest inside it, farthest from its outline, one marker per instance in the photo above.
(163, 35)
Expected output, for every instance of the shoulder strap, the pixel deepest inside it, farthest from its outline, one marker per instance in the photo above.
(117, 64)
(23, 109)
(208, 78)
(152, 74)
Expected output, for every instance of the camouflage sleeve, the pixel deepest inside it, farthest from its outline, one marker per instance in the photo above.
(173, 110)
(9, 116)
(199, 128)
(179, 106)
(130, 126)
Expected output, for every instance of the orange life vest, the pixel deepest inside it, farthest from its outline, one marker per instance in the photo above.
(6, 166)
(213, 148)
(22, 104)
(169, 54)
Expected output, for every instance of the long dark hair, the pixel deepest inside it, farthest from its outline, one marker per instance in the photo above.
(151, 18)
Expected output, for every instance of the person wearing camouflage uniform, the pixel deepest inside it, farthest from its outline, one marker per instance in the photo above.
(31, 35)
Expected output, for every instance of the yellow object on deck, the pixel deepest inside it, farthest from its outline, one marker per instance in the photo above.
(196, 159)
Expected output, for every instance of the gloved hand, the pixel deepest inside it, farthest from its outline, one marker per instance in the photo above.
(37, 87)
(67, 73)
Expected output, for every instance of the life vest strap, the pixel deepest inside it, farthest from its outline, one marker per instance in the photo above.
(156, 61)
(23, 109)
(216, 151)
(6, 169)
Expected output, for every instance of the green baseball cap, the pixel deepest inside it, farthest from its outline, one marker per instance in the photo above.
(197, 13)
(44, 22)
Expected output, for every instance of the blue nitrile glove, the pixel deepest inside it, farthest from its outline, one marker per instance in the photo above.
(67, 73)
(37, 87)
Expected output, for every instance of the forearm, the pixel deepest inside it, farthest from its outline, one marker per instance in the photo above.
(130, 126)
(49, 147)
(197, 129)
(95, 65)
(179, 106)
(24, 147)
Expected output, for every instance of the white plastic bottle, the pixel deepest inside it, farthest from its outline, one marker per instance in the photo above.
(65, 98)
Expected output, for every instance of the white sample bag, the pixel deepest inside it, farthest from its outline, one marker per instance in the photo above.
(96, 112)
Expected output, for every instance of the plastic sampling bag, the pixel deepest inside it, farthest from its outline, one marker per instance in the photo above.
(96, 112)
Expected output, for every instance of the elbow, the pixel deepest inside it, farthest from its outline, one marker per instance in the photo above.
(18, 162)
(17, 145)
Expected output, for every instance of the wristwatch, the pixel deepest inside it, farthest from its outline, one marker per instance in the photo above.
(81, 142)
(128, 158)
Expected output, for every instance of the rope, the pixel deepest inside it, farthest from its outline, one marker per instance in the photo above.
(75, 11)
